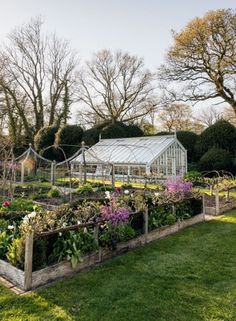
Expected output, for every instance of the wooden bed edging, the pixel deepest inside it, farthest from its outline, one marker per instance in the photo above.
(218, 209)
(11, 273)
(29, 280)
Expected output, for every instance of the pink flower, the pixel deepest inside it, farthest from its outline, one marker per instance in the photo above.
(118, 190)
(6, 203)
(178, 185)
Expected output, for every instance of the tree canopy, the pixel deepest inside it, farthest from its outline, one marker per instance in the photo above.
(37, 75)
(115, 87)
(203, 59)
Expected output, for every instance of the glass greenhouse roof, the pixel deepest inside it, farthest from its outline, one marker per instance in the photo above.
(134, 150)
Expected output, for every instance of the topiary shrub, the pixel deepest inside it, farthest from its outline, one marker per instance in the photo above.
(69, 135)
(133, 131)
(91, 136)
(115, 130)
(163, 133)
(188, 140)
(221, 135)
(45, 138)
(216, 159)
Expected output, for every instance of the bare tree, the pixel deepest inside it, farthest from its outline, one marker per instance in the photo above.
(36, 73)
(209, 116)
(115, 86)
(229, 115)
(202, 60)
(175, 117)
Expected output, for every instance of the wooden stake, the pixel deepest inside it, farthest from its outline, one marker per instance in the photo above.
(29, 241)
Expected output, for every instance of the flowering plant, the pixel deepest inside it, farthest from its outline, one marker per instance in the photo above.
(113, 212)
(6, 204)
(178, 185)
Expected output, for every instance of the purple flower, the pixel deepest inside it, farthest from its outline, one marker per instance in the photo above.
(115, 216)
(178, 185)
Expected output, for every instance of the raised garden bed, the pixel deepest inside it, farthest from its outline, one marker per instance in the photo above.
(27, 279)
(216, 205)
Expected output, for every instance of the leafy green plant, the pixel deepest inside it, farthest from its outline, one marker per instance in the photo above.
(87, 211)
(72, 245)
(127, 186)
(106, 188)
(183, 210)
(193, 176)
(5, 240)
(170, 219)
(161, 216)
(8, 231)
(53, 193)
(16, 252)
(85, 189)
(113, 234)
(39, 196)
(18, 204)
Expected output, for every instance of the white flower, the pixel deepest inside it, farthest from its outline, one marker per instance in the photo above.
(60, 233)
(156, 194)
(126, 191)
(32, 214)
(10, 227)
(78, 222)
(25, 219)
(107, 195)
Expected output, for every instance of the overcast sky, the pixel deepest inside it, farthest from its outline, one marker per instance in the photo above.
(141, 27)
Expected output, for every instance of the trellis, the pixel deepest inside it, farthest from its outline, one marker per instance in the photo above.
(33, 164)
(82, 170)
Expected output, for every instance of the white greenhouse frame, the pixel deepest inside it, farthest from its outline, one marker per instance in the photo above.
(139, 158)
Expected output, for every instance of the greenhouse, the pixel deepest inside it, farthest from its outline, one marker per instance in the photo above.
(154, 157)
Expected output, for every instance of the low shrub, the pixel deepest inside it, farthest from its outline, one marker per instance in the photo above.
(216, 159)
(160, 216)
(85, 189)
(111, 235)
(16, 252)
(193, 176)
(127, 186)
(53, 193)
(105, 188)
(183, 210)
(72, 245)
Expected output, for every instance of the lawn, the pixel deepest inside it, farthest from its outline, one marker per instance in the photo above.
(190, 276)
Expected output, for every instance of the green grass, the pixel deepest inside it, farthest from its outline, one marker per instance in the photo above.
(190, 276)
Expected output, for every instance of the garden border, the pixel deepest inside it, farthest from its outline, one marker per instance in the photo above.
(28, 280)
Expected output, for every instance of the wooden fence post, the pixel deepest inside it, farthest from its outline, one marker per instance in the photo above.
(22, 172)
(145, 223)
(217, 203)
(95, 233)
(173, 209)
(53, 167)
(203, 205)
(113, 180)
(29, 242)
